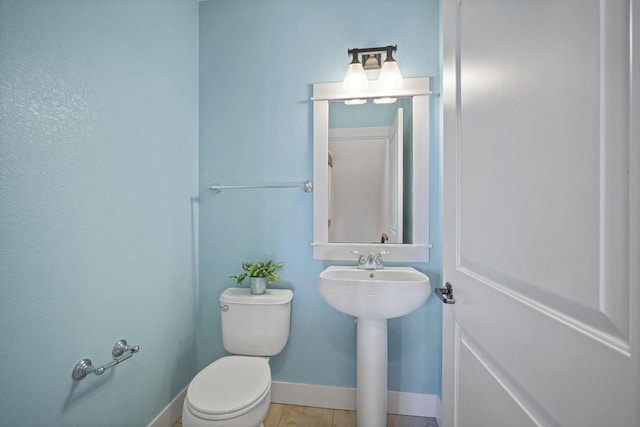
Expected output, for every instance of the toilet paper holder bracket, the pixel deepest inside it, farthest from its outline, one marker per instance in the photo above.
(121, 351)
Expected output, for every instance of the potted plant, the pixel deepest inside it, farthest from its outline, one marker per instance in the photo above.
(260, 273)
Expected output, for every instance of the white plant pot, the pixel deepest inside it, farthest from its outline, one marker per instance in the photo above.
(258, 285)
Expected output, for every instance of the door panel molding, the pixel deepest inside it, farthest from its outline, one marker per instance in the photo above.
(513, 394)
(615, 145)
(585, 320)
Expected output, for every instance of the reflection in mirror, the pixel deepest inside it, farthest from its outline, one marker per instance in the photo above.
(369, 172)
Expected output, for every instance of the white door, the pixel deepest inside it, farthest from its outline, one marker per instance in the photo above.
(395, 179)
(542, 213)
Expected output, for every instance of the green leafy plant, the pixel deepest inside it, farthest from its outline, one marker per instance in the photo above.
(259, 269)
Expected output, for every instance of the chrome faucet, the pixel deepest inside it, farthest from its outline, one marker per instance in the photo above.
(371, 261)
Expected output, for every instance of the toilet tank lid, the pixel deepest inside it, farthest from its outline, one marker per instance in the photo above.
(243, 296)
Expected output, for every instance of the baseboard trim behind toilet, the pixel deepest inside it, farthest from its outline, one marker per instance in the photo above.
(414, 404)
(170, 414)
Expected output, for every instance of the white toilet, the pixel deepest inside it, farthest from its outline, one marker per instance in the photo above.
(235, 391)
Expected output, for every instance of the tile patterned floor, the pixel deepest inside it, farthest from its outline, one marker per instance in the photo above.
(305, 416)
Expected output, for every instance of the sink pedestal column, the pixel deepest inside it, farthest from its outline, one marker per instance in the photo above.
(371, 379)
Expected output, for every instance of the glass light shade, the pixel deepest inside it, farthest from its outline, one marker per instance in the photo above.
(390, 77)
(384, 100)
(355, 101)
(355, 78)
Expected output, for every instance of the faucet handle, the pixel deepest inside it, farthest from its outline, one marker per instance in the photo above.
(361, 257)
(379, 262)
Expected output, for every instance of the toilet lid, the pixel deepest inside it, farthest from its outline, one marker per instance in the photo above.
(229, 384)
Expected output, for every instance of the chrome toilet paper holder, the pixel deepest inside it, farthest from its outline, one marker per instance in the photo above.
(121, 352)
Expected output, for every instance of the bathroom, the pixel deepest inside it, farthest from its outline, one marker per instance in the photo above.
(115, 117)
(118, 115)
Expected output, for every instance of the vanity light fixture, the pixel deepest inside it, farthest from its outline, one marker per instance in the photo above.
(370, 59)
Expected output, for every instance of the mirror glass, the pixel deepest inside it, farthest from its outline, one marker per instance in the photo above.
(369, 172)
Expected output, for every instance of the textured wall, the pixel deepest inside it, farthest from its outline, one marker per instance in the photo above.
(98, 166)
(258, 61)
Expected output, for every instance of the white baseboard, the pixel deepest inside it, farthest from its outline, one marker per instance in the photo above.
(170, 414)
(414, 404)
(321, 396)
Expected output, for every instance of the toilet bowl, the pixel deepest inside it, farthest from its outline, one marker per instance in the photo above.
(235, 391)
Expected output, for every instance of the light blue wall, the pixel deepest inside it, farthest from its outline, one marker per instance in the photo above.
(98, 165)
(258, 61)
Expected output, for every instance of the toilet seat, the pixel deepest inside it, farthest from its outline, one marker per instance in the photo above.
(229, 387)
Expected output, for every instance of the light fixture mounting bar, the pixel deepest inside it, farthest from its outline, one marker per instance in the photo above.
(381, 49)
(371, 57)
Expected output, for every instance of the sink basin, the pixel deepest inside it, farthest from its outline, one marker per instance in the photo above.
(374, 294)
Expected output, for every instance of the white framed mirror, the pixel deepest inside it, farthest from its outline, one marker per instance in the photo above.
(364, 176)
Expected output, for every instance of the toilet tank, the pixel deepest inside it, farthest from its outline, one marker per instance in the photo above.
(255, 325)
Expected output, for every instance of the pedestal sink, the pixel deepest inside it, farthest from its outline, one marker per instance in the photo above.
(373, 296)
